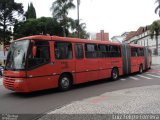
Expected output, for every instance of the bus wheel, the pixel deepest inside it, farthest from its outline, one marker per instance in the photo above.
(140, 69)
(64, 82)
(114, 74)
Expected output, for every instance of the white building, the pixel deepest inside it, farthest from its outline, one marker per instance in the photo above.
(120, 38)
(142, 37)
(92, 36)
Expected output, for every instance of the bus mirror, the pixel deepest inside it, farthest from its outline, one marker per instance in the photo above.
(34, 50)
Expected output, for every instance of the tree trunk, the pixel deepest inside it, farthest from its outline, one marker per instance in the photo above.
(78, 18)
(156, 45)
(4, 34)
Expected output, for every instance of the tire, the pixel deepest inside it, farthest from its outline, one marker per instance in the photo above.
(65, 82)
(1, 73)
(114, 74)
(140, 69)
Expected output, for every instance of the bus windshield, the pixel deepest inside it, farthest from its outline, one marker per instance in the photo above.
(17, 55)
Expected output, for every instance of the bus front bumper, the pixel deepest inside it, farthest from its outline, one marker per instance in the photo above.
(15, 84)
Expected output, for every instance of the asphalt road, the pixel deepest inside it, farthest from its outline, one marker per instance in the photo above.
(33, 105)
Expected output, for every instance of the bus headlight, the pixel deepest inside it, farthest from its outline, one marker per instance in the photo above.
(18, 81)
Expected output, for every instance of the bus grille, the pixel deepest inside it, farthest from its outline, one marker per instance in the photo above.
(9, 83)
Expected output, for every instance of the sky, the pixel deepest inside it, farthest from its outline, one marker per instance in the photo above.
(113, 16)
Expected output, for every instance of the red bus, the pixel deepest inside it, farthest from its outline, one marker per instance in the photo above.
(43, 62)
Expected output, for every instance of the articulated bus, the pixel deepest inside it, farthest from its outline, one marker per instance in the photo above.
(43, 62)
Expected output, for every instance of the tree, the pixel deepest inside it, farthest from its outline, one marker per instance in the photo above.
(31, 12)
(43, 25)
(60, 10)
(78, 3)
(154, 31)
(10, 11)
(158, 7)
(76, 26)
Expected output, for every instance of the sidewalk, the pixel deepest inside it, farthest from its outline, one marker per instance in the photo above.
(156, 60)
(140, 100)
(155, 66)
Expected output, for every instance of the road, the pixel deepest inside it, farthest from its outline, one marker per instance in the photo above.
(34, 105)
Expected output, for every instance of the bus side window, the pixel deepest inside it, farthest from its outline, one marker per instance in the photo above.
(91, 50)
(141, 52)
(79, 51)
(134, 52)
(63, 50)
(107, 51)
(115, 51)
(111, 51)
(103, 51)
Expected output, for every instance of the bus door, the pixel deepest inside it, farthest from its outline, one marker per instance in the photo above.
(80, 64)
(91, 62)
(64, 61)
(116, 59)
(39, 69)
(104, 61)
(134, 60)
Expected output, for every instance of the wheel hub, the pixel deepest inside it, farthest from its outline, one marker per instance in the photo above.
(65, 82)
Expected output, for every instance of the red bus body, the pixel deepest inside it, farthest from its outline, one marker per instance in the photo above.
(46, 76)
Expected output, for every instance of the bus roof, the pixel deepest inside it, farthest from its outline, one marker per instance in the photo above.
(77, 40)
(54, 38)
(135, 45)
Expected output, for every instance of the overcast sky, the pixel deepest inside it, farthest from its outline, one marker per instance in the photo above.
(113, 16)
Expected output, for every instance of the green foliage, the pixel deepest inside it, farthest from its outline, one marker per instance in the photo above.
(82, 32)
(60, 10)
(59, 25)
(7, 36)
(154, 31)
(157, 10)
(43, 25)
(31, 12)
(10, 11)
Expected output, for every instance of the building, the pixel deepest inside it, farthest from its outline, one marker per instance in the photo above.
(3, 55)
(4, 52)
(92, 36)
(102, 36)
(130, 38)
(119, 38)
(142, 37)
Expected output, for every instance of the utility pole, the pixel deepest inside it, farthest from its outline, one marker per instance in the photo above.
(78, 3)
